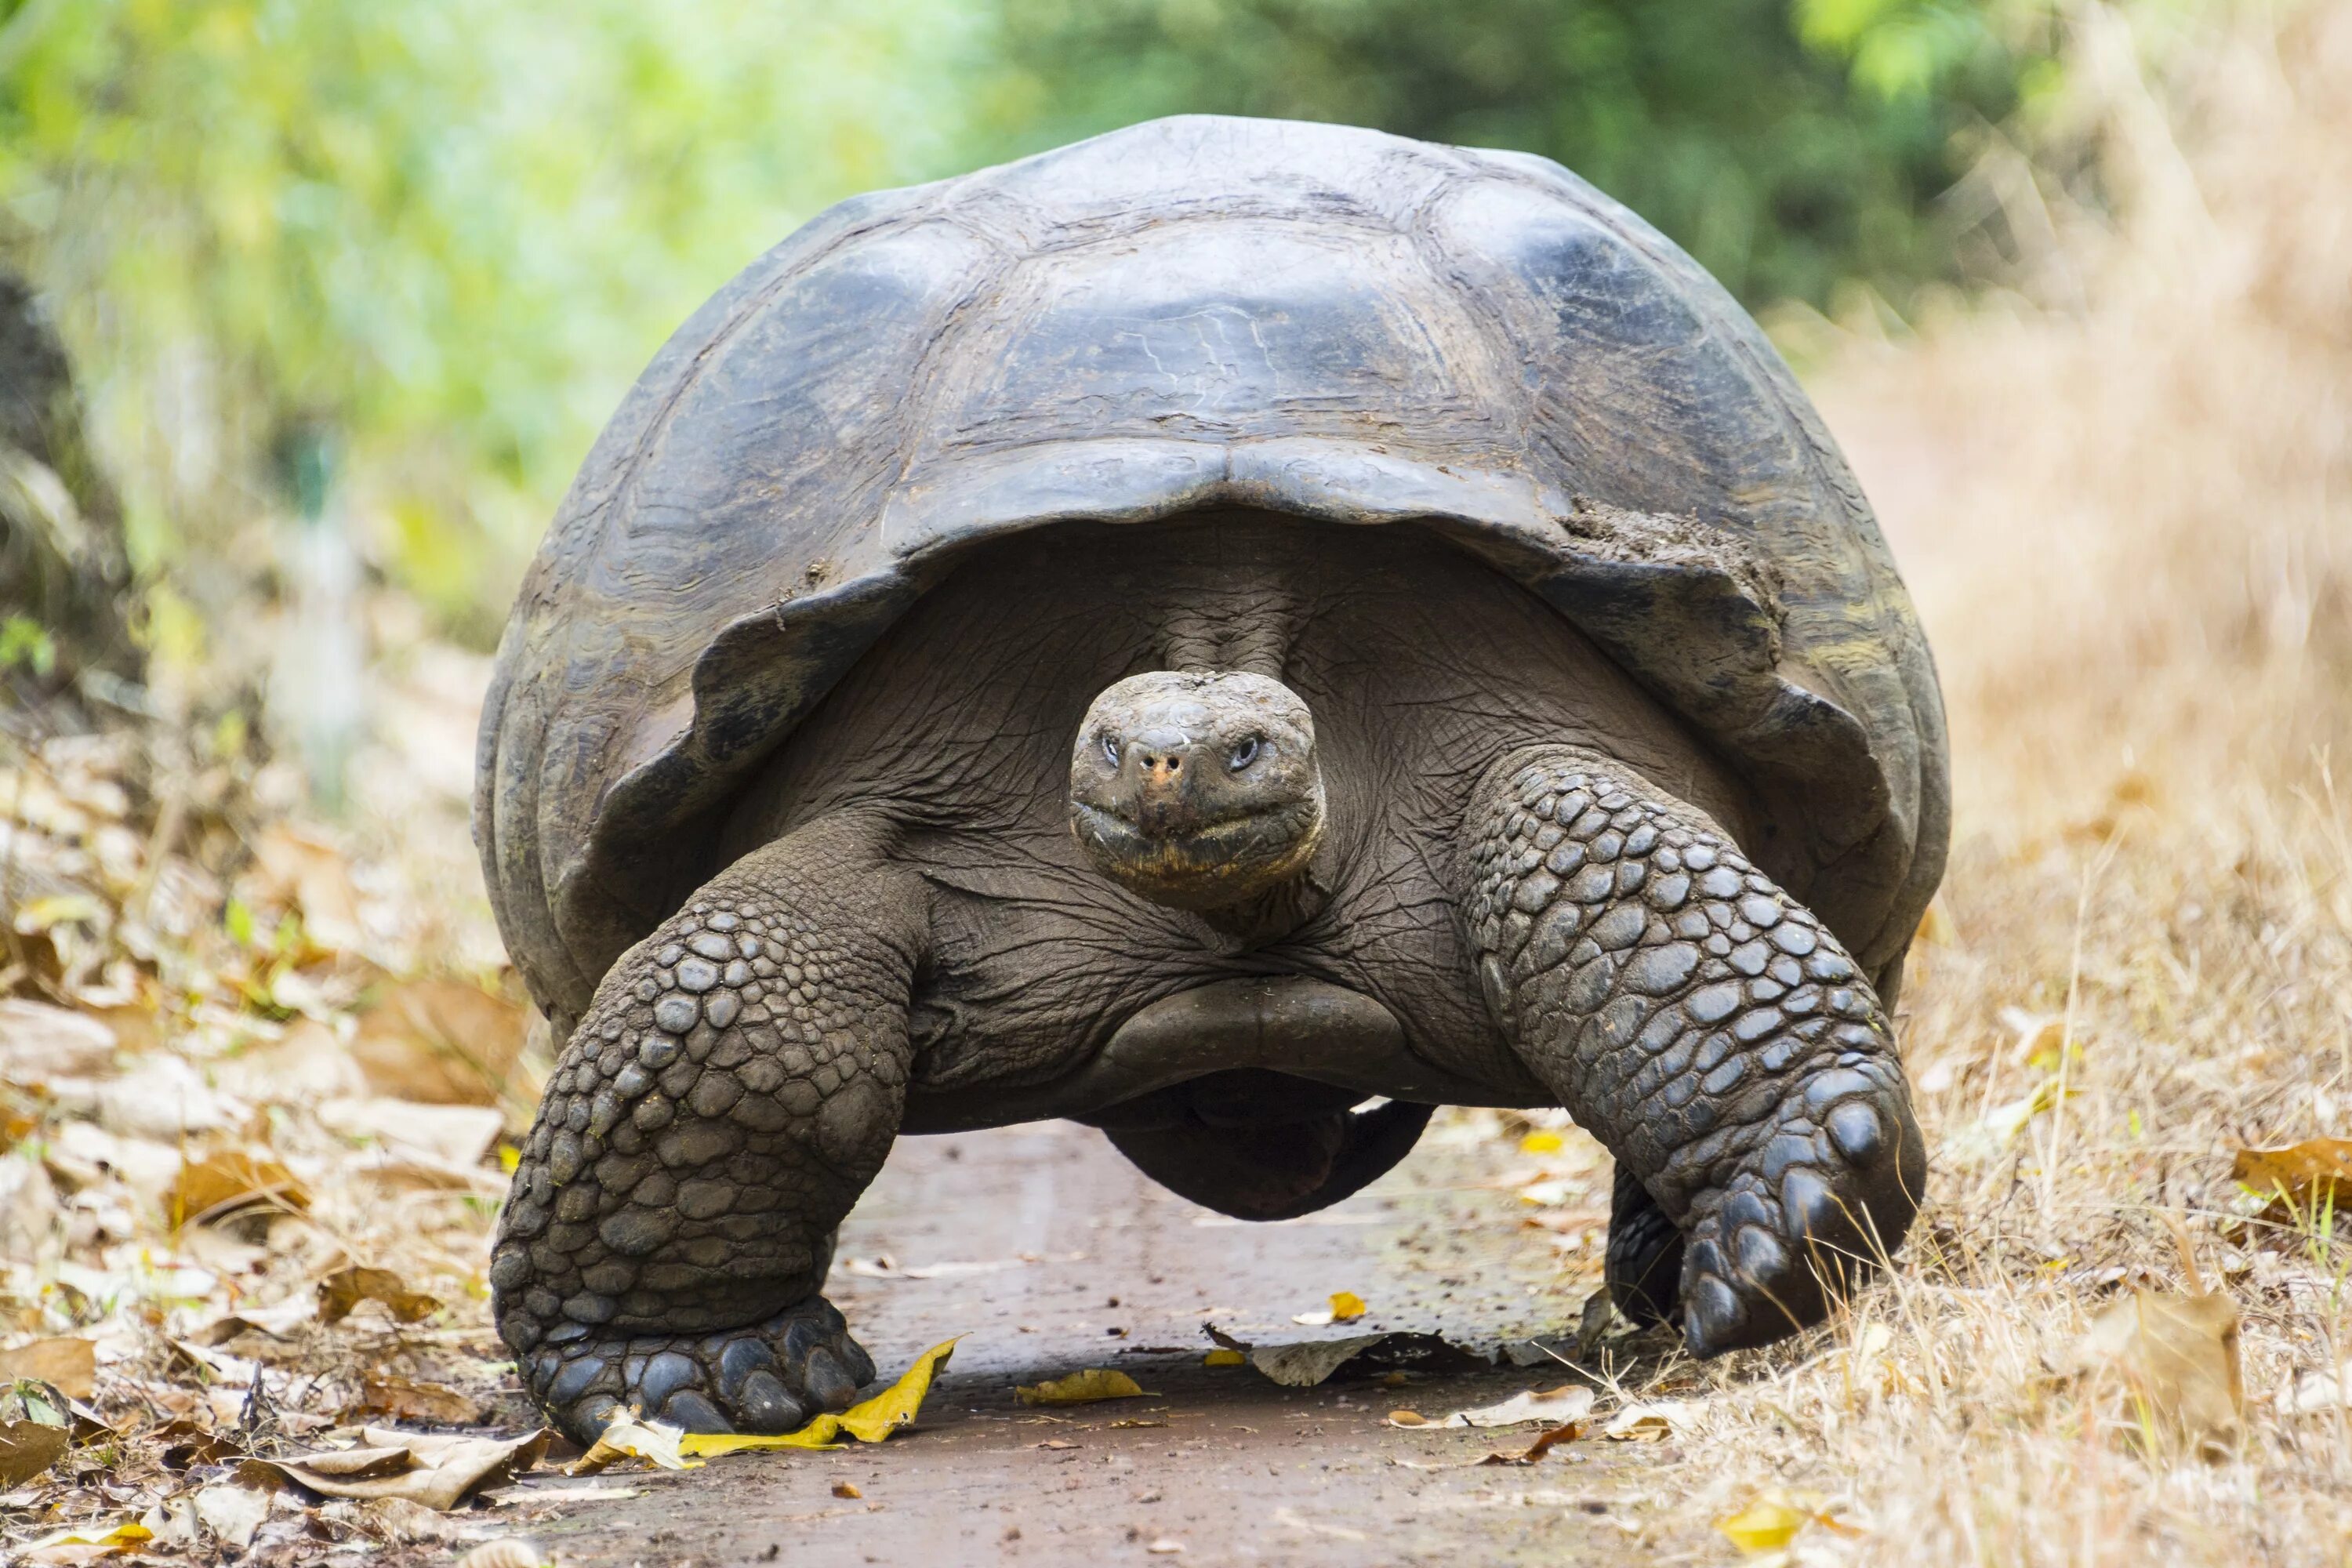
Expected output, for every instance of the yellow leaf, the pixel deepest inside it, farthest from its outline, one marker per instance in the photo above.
(1767, 1524)
(1542, 1142)
(1346, 1306)
(1081, 1388)
(870, 1422)
(130, 1532)
(1224, 1358)
(231, 1179)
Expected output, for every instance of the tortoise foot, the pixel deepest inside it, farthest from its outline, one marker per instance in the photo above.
(767, 1377)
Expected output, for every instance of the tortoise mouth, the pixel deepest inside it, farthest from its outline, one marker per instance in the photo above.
(1209, 865)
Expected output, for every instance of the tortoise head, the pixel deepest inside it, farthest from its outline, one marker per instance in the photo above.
(1197, 790)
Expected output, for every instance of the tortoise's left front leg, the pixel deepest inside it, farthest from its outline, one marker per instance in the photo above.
(1705, 1026)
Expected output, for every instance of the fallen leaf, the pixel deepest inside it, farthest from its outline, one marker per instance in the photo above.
(1346, 1308)
(1084, 1387)
(2178, 1354)
(2299, 1179)
(449, 1136)
(436, 1472)
(1163, 1547)
(231, 1514)
(1311, 1361)
(1567, 1432)
(628, 1437)
(1550, 1406)
(38, 1042)
(304, 871)
(1647, 1423)
(406, 1400)
(2314, 1389)
(440, 1042)
(870, 1422)
(26, 1448)
(70, 1364)
(1223, 1357)
(846, 1488)
(1771, 1521)
(506, 1552)
(346, 1288)
(1542, 1142)
(69, 1546)
(231, 1179)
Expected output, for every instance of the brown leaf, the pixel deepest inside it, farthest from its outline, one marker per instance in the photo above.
(437, 1472)
(1566, 1433)
(26, 1448)
(2299, 1178)
(231, 1179)
(345, 1289)
(404, 1400)
(296, 869)
(846, 1488)
(68, 1364)
(440, 1042)
(2178, 1356)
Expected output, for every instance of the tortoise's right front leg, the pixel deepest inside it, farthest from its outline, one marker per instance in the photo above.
(734, 1087)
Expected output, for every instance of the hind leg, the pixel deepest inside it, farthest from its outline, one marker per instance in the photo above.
(734, 1087)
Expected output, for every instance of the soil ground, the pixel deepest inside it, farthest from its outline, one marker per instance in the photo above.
(1078, 1261)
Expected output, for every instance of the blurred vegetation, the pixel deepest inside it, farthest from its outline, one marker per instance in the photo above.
(436, 240)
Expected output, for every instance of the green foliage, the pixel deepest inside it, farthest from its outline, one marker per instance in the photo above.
(441, 237)
(1713, 119)
(454, 231)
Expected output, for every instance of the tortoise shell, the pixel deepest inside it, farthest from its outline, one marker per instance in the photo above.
(1319, 321)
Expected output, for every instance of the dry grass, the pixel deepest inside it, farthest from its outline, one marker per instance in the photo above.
(2129, 527)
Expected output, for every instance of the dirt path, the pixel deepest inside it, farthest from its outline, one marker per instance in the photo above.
(1069, 1259)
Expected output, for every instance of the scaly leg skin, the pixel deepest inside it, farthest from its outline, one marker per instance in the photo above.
(733, 1088)
(1706, 1027)
(1643, 1268)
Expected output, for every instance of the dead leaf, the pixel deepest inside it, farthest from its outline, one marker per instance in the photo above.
(1084, 1387)
(231, 1514)
(627, 1437)
(70, 1364)
(404, 1400)
(450, 1136)
(1550, 1406)
(1772, 1520)
(38, 1042)
(441, 1042)
(346, 1288)
(1567, 1432)
(435, 1472)
(2315, 1389)
(2299, 1179)
(26, 1448)
(74, 1545)
(869, 1422)
(2178, 1354)
(1223, 1357)
(303, 870)
(846, 1488)
(228, 1180)
(506, 1552)
(1653, 1422)
(1346, 1308)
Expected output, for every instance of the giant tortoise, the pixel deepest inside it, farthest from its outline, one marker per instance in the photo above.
(1234, 632)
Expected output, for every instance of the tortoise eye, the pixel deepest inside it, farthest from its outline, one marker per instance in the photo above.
(1244, 755)
(1111, 750)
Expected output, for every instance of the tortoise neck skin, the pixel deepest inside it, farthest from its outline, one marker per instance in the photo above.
(1201, 789)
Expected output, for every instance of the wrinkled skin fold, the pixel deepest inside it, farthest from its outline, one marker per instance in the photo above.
(1501, 867)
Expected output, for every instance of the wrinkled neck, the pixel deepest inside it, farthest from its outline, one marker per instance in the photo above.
(1236, 608)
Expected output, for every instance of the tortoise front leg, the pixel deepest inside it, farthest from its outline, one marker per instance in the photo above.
(733, 1088)
(1706, 1029)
